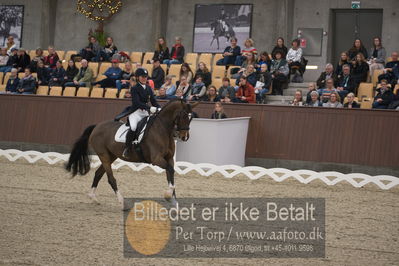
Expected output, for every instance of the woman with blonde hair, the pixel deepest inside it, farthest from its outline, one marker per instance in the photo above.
(204, 72)
(218, 113)
(248, 48)
(186, 71)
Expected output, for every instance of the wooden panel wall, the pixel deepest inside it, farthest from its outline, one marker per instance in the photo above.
(365, 137)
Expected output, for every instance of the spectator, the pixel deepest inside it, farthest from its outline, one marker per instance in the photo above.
(294, 57)
(13, 81)
(12, 60)
(27, 84)
(169, 87)
(176, 54)
(203, 71)
(112, 75)
(3, 60)
(184, 86)
(389, 73)
(280, 47)
(92, 51)
(10, 44)
(43, 74)
(124, 79)
(38, 57)
(263, 82)
(298, 100)
(351, 101)
(226, 92)
(249, 73)
(162, 92)
(279, 70)
(384, 96)
(218, 113)
(346, 83)
(328, 73)
(158, 75)
(83, 78)
(360, 70)
(197, 91)
(109, 49)
(246, 51)
(23, 60)
(57, 75)
(52, 58)
(230, 53)
(311, 88)
(249, 60)
(211, 95)
(186, 71)
(161, 50)
(246, 92)
(344, 60)
(326, 92)
(357, 48)
(132, 83)
(377, 56)
(179, 93)
(263, 59)
(70, 72)
(314, 99)
(334, 101)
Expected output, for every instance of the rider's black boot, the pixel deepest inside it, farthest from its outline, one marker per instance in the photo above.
(128, 144)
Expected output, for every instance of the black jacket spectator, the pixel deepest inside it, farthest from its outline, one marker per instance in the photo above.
(70, 73)
(353, 52)
(179, 51)
(206, 77)
(359, 72)
(266, 78)
(283, 50)
(386, 96)
(161, 55)
(12, 84)
(59, 74)
(389, 75)
(23, 61)
(217, 115)
(28, 84)
(321, 81)
(338, 69)
(158, 76)
(227, 92)
(347, 82)
(13, 61)
(43, 75)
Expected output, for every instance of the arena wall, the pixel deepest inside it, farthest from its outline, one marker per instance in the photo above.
(276, 133)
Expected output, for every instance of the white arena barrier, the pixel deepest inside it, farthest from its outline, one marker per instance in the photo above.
(229, 171)
(209, 139)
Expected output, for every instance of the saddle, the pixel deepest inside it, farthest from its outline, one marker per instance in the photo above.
(141, 129)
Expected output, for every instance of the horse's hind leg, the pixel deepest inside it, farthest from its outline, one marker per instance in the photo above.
(107, 160)
(97, 177)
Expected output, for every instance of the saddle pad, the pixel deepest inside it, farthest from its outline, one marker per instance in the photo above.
(120, 135)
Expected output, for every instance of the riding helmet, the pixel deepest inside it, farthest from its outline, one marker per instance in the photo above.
(141, 72)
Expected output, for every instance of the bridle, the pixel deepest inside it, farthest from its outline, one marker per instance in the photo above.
(178, 118)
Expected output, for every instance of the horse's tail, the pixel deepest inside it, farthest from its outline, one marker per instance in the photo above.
(79, 159)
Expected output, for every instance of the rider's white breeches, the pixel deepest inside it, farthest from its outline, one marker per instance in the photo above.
(135, 118)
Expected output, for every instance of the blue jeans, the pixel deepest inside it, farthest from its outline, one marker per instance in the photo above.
(260, 96)
(227, 60)
(120, 86)
(239, 60)
(5, 68)
(377, 105)
(71, 84)
(171, 91)
(171, 61)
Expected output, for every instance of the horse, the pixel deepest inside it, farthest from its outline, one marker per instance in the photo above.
(218, 31)
(157, 147)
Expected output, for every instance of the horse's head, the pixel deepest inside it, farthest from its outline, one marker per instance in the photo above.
(183, 119)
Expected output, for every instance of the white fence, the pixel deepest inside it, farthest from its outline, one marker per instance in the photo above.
(228, 171)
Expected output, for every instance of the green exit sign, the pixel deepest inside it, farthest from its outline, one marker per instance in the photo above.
(355, 4)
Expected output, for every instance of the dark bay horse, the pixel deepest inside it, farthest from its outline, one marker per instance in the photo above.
(157, 145)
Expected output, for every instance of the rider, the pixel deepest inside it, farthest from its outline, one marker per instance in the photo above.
(141, 95)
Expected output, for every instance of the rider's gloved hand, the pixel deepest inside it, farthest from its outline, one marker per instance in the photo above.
(154, 109)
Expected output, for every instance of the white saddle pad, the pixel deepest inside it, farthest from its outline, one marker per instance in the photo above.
(120, 135)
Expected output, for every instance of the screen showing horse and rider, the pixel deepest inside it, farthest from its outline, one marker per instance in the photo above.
(215, 24)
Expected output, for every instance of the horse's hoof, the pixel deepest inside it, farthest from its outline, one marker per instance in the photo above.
(93, 198)
(168, 194)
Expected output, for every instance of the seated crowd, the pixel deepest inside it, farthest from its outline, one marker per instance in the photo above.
(256, 74)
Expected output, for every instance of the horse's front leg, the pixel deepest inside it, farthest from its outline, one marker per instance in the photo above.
(168, 165)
